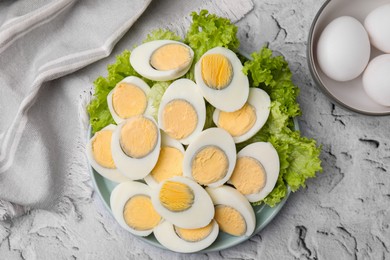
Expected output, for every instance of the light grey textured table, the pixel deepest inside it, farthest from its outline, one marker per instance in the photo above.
(344, 213)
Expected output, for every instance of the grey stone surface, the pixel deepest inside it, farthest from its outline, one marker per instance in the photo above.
(344, 213)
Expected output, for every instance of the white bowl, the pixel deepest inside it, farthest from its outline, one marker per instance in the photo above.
(349, 94)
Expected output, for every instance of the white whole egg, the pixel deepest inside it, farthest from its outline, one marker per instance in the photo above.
(224, 68)
(113, 174)
(136, 167)
(260, 102)
(343, 49)
(259, 154)
(377, 24)
(376, 79)
(183, 202)
(210, 158)
(168, 235)
(131, 206)
(182, 111)
(239, 215)
(131, 104)
(170, 143)
(175, 59)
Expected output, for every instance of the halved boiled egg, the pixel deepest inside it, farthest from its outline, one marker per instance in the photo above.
(100, 156)
(256, 171)
(170, 161)
(162, 60)
(233, 213)
(186, 240)
(182, 111)
(221, 80)
(210, 158)
(135, 146)
(183, 202)
(248, 120)
(129, 98)
(132, 208)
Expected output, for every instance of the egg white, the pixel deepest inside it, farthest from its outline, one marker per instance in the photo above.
(140, 60)
(165, 234)
(198, 215)
(267, 155)
(232, 97)
(166, 141)
(261, 102)
(228, 196)
(343, 49)
(120, 195)
(140, 84)
(211, 137)
(376, 24)
(112, 174)
(187, 90)
(376, 79)
(134, 168)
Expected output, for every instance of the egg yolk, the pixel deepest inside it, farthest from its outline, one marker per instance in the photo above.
(128, 100)
(169, 164)
(101, 149)
(216, 70)
(238, 122)
(140, 214)
(138, 137)
(176, 196)
(179, 119)
(170, 57)
(194, 235)
(249, 176)
(209, 165)
(230, 220)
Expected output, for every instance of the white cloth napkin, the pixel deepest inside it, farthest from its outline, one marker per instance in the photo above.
(42, 120)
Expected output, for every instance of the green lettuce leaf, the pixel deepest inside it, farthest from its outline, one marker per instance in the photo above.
(299, 156)
(156, 93)
(208, 31)
(99, 115)
(277, 194)
(162, 34)
(98, 109)
(272, 74)
(209, 116)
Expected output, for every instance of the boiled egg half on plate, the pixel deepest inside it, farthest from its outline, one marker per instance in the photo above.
(135, 146)
(210, 158)
(170, 161)
(256, 171)
(162, 60)
(233, 213)
(183, 203)
(186, 240)
(132, 208)
(245, 122)
(100, 156)
(219, 76)
(182, 111)
(129, 98)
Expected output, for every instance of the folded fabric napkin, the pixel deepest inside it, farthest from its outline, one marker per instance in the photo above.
(42, 124)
